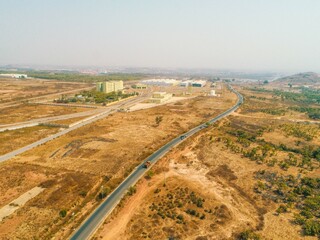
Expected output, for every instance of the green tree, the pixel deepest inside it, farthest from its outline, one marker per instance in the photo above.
(63, 213)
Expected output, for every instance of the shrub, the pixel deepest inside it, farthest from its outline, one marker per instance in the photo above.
(132, 190)
(312, 228)
(180, 217)
(282, 209)
(63, 213)
(249, 235)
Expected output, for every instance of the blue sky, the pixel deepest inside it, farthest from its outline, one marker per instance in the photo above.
(279, 35)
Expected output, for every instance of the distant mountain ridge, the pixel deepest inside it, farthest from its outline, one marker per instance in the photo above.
(300, 78)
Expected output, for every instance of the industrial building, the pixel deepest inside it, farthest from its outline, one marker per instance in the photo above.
(193, 83)
(111, 86)
(186, 83)
(161, 82)
(160, 97)
(139, 86)
(12, 75)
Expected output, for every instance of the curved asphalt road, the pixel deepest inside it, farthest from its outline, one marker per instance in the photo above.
(91, 224)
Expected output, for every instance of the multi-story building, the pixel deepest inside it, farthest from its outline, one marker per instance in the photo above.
(99, 87)
(111, 86)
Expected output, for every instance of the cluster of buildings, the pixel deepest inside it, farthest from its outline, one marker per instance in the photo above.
(193, 83)
(13, 75)
(160, 97)
(110, 86)
(161, 82)
(174, 82)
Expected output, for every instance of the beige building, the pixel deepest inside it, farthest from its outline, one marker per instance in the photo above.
(111, 86)
(160, 97)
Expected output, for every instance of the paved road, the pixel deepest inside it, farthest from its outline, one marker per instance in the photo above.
(126, 103)
(91, 224)
(37, 121)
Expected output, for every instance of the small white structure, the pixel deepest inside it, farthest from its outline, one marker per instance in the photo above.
(213, 93)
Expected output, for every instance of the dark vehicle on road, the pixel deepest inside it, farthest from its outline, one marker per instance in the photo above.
(183, 137)
(147, 164)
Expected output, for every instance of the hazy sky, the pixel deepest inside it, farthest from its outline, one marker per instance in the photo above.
(228, 34)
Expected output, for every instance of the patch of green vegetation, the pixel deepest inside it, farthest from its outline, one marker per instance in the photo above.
(294, 194)
(182, 200)
(259, 98)
(103, 193)
(248, 235)
(63, 213)
(272, 111)
(78, 77)
(94, 97)
(305, 96)
(258, 89)
(304, 131)
(132, 190)
(257, 149)
(313, 113)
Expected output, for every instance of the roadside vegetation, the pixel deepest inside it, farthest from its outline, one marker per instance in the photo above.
(313, 113)
(288, 152)
(94, 97)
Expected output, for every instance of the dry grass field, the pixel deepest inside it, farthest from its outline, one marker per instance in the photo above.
(74, 167)
(238, 179)
(17, 90)
(26, 112)
(15, 139)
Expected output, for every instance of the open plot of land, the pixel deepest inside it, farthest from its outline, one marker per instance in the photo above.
(69, 121)
(146, 105)
(15, 90)
(267, 104)
(12, 140)
(43, 212)
(76, 166)
(26, 112)
(20, 201)
(244, 174)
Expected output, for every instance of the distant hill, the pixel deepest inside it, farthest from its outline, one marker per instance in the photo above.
(300, 78)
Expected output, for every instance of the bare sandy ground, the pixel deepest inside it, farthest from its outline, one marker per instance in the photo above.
(140, 106)
(10, 208)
